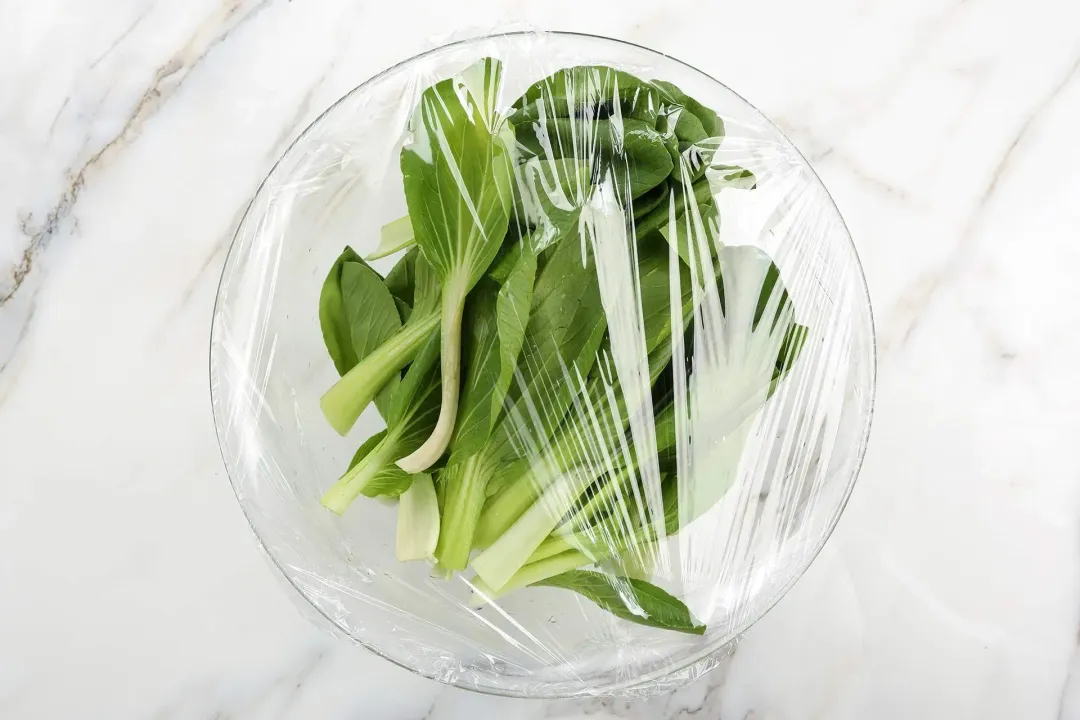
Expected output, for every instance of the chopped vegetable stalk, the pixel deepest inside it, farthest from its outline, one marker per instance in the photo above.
(498, 317)
(353, 482)
(458, 175)
(556, 544)
(464, 499)
(410, 417)
(418, 520)
(498, 563)
(534, 572)
(343, 403)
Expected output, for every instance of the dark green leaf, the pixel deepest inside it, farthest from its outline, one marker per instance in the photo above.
(505, 261)
(588, 91)
(638, 149)
(480, 355)
(789, 352)
(404, 311)
(566, 325)
(373, 317)
(650, 200)
(333, 318)
(709, 122)
(678, 201)
(390, 480)
(414, 407)
(457, 173)
(401, 280)
(550, 193)
(495, 331)
(771, 285)
(694, 233)
(512, 312)
(634, 600)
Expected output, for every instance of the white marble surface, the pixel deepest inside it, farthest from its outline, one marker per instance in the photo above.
(133, 132)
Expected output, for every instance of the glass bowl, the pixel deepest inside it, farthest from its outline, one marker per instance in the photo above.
(338, 184)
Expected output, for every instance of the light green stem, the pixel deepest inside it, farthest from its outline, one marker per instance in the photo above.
(348, 488)
(533, 573)
(512, 550)
(343, 403)
(452, 308)
(465, 483)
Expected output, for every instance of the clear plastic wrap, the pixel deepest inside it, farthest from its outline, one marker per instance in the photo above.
(570, 329)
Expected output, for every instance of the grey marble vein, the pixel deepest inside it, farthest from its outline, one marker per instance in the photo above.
(921, 296)
(167, 79)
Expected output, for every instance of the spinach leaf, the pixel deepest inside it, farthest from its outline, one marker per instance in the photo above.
(634, 600)
(333, 317)
(457, 177)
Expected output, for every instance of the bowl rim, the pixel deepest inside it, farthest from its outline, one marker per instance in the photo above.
(559, 690)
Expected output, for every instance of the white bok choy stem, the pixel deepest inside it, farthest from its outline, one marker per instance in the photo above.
(418, 520)
(457, 172)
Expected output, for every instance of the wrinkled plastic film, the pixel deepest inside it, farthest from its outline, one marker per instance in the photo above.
(660, 381)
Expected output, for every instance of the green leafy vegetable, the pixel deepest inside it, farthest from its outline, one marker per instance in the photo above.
(567, 449)
(388, 481)
(412, 413)
(343, 403)
(373, 318)
(634, 600)
(334, 317)
(457, 175)
(642, 158)
(565, 327)
(487, 347)
(496, 332)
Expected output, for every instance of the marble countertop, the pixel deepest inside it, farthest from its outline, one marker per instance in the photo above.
(133, 133)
